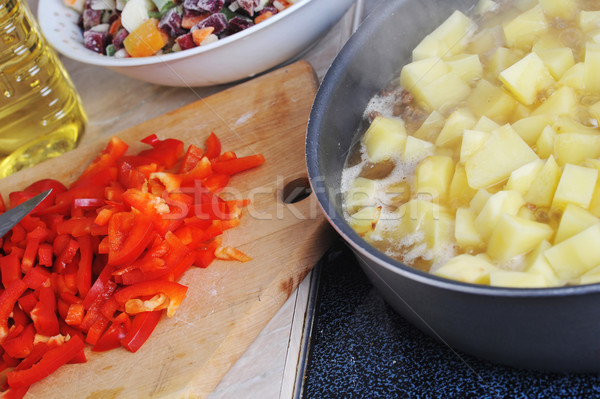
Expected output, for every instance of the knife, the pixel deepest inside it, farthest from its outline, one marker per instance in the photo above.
(10, 218)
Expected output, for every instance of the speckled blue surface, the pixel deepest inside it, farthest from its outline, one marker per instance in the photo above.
(360, 348)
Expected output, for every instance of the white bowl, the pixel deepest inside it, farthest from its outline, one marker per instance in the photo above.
(239, 56)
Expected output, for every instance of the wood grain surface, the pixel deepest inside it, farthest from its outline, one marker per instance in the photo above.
(229, 303)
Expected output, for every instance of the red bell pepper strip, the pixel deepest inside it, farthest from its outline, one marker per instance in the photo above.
(21, 345)
(44, 313)
(31, 250)
(141, 328)
(166, 152)
(75, 314)
(37, 277)
(50, 361)
(238, 165)
(129, 233)
(84, 271)
(114, 150)
(213, 146)
(192, 156)
(175, 291)
(112, 337)
(8, 298)
(10, 268)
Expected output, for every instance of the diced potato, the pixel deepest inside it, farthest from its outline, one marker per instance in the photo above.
(420, 73)
(413, 215)
(466, 66)
(454, 32)
(575, 147)
(514, 279)
(364, 221)
(527, 213)
(542, 189)
(557, 60)
(385, 138)
(589, 20)
(467, 268)
(531, 127)
(594, 111)
(521, 179)
(573, 220)
(452, 131)
(573, 77)
(485, 6)
(545, 143)
(562, 102)
(361, 194)
(485, 124)
(575, 255)
(460, 191)
(444, 93)
(591, 66)
(591, 277)
(501, 59)
(575, 186)
(430, 47)
(566, 124)
(479, 200)
(431, 127)
(439, 231)
(433, 177)
(466, 235)
(472, 140)
(523, 30)
(564, 9)
(536, 263)
(513, 236)
(416, 149)
(483, 41)
(491, 101)
(503, 202)
(502, 153)
(526, 78)
(594, 207)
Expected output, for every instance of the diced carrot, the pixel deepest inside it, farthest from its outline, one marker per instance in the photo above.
(262, 17)
(146, 39)
(200, 34)
(189, 20)
(115, 26)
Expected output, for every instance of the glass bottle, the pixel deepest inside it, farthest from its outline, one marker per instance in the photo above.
(40, 111)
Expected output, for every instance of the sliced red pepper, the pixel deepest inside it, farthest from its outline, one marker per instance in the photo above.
(166, 152)
(20, 346)
(8, 298)
(238, 165)
(97, 329)
(192, 156)
(31, 250)
(10, 268)
(44, 314)
(175, 291)
(84, 271)
(129, 234)
(141, 328)
(50, 362)
(75, 314)
(112, 337)
(114, 150)
(213, 146)
(76, 226)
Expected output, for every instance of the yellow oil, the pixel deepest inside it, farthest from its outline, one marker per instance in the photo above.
(40, 111)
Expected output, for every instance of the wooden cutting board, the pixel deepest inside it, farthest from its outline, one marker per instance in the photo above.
(229, 303)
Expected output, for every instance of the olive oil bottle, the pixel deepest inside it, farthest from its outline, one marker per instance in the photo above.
(40, 111)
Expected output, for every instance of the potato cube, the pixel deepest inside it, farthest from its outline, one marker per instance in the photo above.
(545, 143)
(502, 153)
(491, 101)
(503, 202)
(576, 186)
(526, 78)
(514, 279)
(430, 47)
(594, 207)
(589, 20)
(557, 60)
(431, 127)
(420, 73)
(454, 32)
(444, 93)
(365, 220)
(501, 59)
(542, 189)
(479, 200)
(531, 127)
(521, 179)
(412, 217)
(564, 9)
(385, 138)
(591, 65)
(574, 148)
(466, 235)
(513, 236)
(466, 268)
(472, 140)
(466, 66)
(485, 124)
(523, 30)
(536, 263)
(562, 102)
(485, 6)
(591, 277)
(433, 177)
(594, 111)
(362, 193)
(573, 77)
(460, 192)
(573, 220)
(575, 255)
(439, 231)
(452, 131)
(416, 149)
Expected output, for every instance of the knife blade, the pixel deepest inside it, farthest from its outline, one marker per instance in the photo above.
(10, 218)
